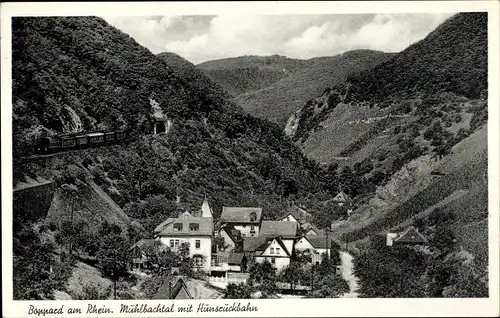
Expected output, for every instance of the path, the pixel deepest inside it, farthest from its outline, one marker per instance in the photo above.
(347, 270)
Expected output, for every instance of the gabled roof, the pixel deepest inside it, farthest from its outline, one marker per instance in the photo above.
(253, 244)
(235, 258)
(205, 226)
(315, 229)
(285, 229)
(240, 215)
(341, 197)
(269, 241)
(143, 243)
(319, 241)
(410, 236)
(206, 210)
(298, 213)
(172, 288)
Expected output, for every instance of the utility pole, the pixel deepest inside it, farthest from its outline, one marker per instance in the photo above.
(114, 272)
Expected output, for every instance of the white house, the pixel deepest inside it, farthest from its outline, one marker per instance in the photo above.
(287, 230)
(244, 219)
(314, 245)
(232, 237)
(197, 231)
(274, 252)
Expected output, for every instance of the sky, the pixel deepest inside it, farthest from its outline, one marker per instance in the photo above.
(202, 38)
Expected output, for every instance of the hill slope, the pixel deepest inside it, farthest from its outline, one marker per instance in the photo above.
(213, 148)
(438, 81)
(279, 100)
(245, 74)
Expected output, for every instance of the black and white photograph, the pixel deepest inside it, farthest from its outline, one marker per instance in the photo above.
(250, 156)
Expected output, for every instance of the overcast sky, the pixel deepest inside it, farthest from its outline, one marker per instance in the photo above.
(203, 38)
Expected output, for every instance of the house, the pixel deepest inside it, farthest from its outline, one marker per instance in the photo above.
(174, 287)
(232, 238)
(274, 251)
(245, 219)
(181, 287)
(253, 246)
(197, 231)
(295, 214)
(315, 246)
(287, 230)
(343, 200)
(410, 237)
(311, 229)
(228, 262)
(140, 253)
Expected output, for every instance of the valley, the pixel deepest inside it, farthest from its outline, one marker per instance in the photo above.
(352, 175)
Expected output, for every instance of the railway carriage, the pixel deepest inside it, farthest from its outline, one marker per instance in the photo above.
(109, 136)
(96, 138)
(80, 140)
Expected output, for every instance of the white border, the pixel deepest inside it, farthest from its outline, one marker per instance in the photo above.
(284, 307)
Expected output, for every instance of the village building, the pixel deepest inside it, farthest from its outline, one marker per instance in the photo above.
(140, 254)
(295, 214)
(253, 245)
(233, 241)
(225, 263)
(247, 220)
(195, 230)
(411, 236)
(274, 251)
(344, 201)
(182, 287)
(287, 230)
(315, 246)
(311, 229)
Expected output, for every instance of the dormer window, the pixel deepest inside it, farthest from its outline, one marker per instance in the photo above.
(177, 226)
(194, 226)
(253, 217)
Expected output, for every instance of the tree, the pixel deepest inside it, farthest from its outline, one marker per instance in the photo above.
(291, 274)
(264, 276)
(240, 291)
(113, 254)
(330, 286)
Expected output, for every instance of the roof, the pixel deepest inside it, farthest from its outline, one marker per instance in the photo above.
(298, 213)
(206, 210)
(173, 288)
(160, 227)
(233, 233)
(269, 241)
(319, 241)
(240, 215)
(411, 236)
(252, 244)
(205, 226)
(235, 258)
(315, 229)
(341, 197)
(285, 229)
(143, 243)
(96, 134)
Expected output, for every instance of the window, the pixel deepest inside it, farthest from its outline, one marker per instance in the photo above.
(198, 261)
(252, 228)
(272, 250)
(194, 226)
(176, 243)
(177, 226)
(171, 243)
(243, 234)
(244, 226)
(197, 243)
(273, 261)
(278, 250)
(288, 218)
(253, 216)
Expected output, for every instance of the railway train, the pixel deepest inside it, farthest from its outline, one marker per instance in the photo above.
(64, 142)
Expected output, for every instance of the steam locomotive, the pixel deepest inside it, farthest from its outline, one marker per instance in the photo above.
(65, 142)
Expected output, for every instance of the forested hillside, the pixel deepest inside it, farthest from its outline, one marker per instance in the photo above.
(246, 74)
(72, 74)
(412, 133)
(279, 100)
